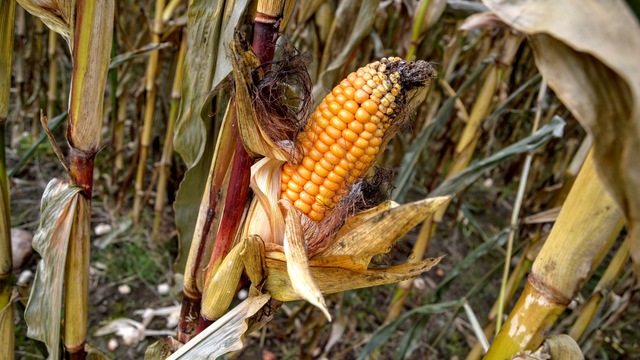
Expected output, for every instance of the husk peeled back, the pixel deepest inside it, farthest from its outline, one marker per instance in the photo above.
(296, 272)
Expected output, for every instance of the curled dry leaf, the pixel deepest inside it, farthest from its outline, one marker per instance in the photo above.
(58, 15)
(590, 60)
(60, 202)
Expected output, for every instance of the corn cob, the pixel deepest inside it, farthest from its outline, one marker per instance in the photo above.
(344, 135)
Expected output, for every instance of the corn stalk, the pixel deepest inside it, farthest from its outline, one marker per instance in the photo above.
(585, 230)
(164, 166)
(149, 110)
(87, 27)
(7, 15)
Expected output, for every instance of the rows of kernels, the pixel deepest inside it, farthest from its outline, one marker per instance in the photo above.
(342, 139)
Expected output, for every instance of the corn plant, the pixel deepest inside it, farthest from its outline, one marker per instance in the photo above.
(65, 223)
(7, 12)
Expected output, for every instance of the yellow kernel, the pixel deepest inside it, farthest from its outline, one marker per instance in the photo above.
(315, 216)
(349, 135)
(385, 102)
(337, 123)
(361, 143)
(343, 164)
(366, 135)
(367, 89)
(341, 99)
(283, 186)
(322, 122)
(321, 170)
(331, 158)
(370, 127)
(321, 147)
(302, 206)
(316, 179)
(372, 84)
(318, 207)
(359, 83)
(351, 106)
(362, 164)
(372, 150)
(324, 200)
(326, 113)
(349, 92)
(306, 143)
(351, 158)
(367, 75)
(395, 92)
(337, 150)
(352, 77)
(316, 128)
(308, 163)
(333, 133)
(335, 178)
(325, 164)
(374, 98)
(336, 91)
(331, 185)
(379, 114)
(360, 72)
(340, 171)
(356, 127)
(299, 180)
(326, 139)
(363, 115)
(314, 154)
(288, 169)
(324, 194)
(334, 107)
(390, 97)
(375, 119)
(376, 141)
(306, 197)
(370, 106)
(293, 186)
(389, 111)
(344, 84)
(311, 188)
(292, 195)
(344, 143)
(356, 150)
(360, 96)
(345, 115)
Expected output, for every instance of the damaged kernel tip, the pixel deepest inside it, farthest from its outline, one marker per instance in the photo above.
(345, 134)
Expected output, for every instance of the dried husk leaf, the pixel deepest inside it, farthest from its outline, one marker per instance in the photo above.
(265, 217)
(344, 264)
(51, 241)
(332, 279)
(590, 60)
(254, 137)
(295, 251)
(383, 226)
(58, 15)
(225, 335)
